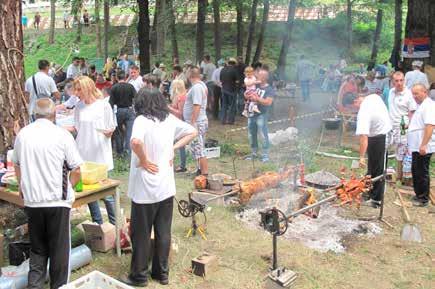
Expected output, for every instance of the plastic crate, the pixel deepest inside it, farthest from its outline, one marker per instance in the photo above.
(93, 173)
(96, 280)
(214, 152)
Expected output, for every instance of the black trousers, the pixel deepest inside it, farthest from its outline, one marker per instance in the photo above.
(421, 176)
(49, 231)
(375, 165)
(143, 218)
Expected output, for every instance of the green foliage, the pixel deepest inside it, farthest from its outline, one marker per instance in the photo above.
(36, 47)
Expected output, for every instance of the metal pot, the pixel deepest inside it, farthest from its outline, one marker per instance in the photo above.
(332, 123)
(215, 184)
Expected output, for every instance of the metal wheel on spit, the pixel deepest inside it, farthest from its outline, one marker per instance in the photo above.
(184, 208)
(283, 223)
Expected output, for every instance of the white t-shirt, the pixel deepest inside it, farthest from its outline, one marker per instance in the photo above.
(373, 118)
(71, 101)
(207, 70)
(90, 120)
(400, 104)
(41, 150)
(137, 83)
(415, 77)
(158, 138)
(45, 86)
(216, 77)
(73, 71)
(425, 114)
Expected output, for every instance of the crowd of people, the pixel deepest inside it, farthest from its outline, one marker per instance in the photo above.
(143, 117)
(148, 117)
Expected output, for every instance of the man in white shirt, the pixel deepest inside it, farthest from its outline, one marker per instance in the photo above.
(194, 113)
(40, 85)
(135, 79)
(401, 105)
(416, 75)
(74, 69)
(47, 165)
(373, 124)
(421, 141)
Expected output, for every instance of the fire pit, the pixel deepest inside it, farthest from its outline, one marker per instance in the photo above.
(323, 231)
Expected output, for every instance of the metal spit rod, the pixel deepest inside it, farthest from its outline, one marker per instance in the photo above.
(307, 208)
(230, 193)
(328, 199)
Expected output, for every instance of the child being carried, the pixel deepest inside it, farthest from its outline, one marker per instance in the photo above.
(250, 83)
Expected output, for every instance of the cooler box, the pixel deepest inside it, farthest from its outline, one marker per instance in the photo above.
(96, 280)
(100, 238)
(93, 173)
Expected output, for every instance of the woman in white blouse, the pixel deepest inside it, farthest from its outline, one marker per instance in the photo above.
(94, 124)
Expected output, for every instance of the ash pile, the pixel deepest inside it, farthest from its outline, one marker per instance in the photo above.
(322, 230)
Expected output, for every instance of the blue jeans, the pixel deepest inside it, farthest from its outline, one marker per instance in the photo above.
(182, 151)
(125, 117)
(305, 88)
(228, 106)
(241, 100)
(256, 123)
(94, 208)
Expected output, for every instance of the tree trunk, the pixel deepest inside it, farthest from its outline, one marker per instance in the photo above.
(13, 103)
(395, 54)
(200, 28)
(173, 30)
(52, 21)
(349, 27)
(239, 38)
(251, 31)
(260, 43)
(106, 28)
(417, 23)
(161, 28)
(432, 36)
(143, 31)
(217, 29)
(98, 27)
(376, 37)
(153, 34)
(282, 60)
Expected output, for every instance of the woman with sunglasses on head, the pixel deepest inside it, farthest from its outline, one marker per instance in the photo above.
(94, 124)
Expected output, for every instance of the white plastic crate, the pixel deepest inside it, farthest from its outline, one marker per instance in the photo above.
(214, 152)
(96, 280)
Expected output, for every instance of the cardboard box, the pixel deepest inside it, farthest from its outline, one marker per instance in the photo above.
(1, 249)
(100, 238)
(203, 265)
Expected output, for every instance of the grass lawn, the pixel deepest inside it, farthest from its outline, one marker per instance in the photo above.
(381, 262)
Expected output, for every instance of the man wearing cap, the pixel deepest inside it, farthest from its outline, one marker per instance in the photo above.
(416, 75)
(373, 124)
(47, 166)
(163, 74)
(421, 141)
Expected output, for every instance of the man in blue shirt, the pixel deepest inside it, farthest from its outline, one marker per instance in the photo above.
(263, 95)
